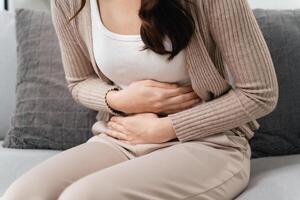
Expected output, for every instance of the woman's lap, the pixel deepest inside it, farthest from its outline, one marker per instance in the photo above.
(214, 167)
(49, 178)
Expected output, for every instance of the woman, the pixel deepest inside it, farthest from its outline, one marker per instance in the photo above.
(170, 126)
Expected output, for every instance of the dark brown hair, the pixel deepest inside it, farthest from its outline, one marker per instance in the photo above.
(162, 18)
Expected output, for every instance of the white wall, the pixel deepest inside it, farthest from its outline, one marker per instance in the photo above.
(275, 4)
(1, 5)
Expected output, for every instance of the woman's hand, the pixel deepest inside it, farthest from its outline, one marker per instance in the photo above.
(148, 96)
(144, 128)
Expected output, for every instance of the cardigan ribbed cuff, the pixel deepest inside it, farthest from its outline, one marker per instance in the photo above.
(205, 119)
(91, 93)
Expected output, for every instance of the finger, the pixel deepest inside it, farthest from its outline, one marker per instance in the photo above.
(116, 134)
(180, 109)
(166, 85)
(178, 91)
(117, 119)
(182, 106)
(180, 100)
(117, 127)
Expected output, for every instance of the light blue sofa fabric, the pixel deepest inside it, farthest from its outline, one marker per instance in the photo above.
(14, 162)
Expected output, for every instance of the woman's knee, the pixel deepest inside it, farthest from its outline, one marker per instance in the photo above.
(24, 188)
(75, 191)
(85, 189)
(36, 184)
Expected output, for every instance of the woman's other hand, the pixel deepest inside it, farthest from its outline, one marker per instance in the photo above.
(149, 96)
(144, 128)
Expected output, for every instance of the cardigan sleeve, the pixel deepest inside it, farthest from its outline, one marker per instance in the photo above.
(236, 33)
(83, 83)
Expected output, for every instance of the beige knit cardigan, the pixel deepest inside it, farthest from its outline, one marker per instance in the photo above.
(227, 36)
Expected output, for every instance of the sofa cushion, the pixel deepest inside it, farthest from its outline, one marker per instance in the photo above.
(46, 116)
(275, 178)
(15, 162)
(8, 69)
(279, 133)
(29, 4)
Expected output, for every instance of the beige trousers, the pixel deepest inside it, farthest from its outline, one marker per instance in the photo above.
(216, 167)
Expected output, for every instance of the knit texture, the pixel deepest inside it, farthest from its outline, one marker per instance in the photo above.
(227, 40)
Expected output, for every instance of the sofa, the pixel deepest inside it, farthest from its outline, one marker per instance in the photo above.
(272, 177)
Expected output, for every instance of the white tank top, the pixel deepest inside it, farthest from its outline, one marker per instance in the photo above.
(120, 59)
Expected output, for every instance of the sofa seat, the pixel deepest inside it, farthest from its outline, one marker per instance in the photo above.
(14, 162)
(272, 178)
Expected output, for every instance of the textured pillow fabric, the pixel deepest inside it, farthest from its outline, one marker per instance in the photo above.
(30, 4)
(8, 69)
(279, 133)
(46, 116)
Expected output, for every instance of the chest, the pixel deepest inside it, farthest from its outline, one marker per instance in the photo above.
(119, 16)
(123, 62)
(206, 79)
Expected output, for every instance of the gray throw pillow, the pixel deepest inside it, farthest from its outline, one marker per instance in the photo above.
(279, 133)
(45, 116)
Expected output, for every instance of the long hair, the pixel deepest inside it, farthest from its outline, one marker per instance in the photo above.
(162, 18)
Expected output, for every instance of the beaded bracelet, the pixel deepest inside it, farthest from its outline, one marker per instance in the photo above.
(114, 111)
